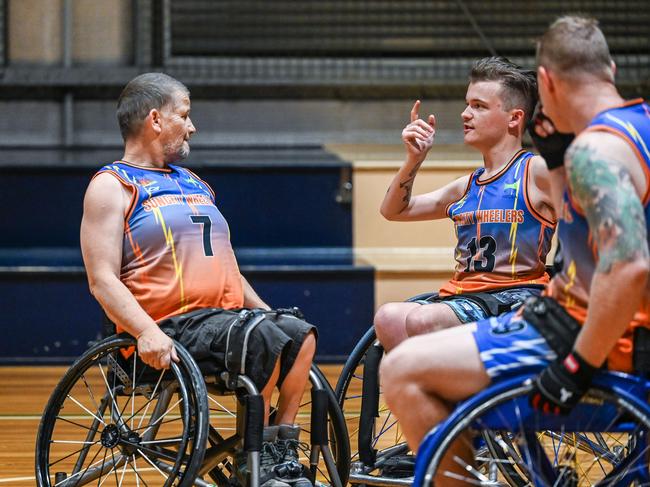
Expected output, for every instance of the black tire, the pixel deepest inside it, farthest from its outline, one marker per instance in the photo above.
(338, 431)
(376, 440)
(120, 440)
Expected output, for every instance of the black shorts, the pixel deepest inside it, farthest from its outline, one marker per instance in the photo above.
(204, 334)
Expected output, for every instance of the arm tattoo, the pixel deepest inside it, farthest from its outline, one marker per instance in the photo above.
(407, 186)
(604, 189)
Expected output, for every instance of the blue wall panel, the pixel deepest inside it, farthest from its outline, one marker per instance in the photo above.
(283, 207)
(339, 302)
(46, 317)
(265, 207)
(51, 317)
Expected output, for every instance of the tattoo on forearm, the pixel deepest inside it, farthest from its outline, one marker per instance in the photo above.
(604, 189)
(407, 186)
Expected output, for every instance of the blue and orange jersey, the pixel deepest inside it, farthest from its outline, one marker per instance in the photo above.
(572, 285)
(176, 253)
(502, 240)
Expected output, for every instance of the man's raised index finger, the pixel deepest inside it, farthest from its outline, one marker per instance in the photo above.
(414, 111)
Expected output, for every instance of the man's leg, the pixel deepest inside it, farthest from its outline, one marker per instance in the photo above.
(295, 381)
(426, 373)
(267, 391)
(429, 318)
(390, 323)
(291, 391)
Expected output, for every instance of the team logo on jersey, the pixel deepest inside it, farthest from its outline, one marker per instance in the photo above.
(503, 327)
(175, 199)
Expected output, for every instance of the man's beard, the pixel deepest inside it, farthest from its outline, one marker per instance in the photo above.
(179, 154)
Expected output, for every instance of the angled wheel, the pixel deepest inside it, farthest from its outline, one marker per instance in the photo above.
(602, 442)
(379, 453)
(112, 421)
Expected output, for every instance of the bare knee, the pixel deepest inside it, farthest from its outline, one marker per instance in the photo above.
(387, 317)
(391, 376)
(430, 318)
(390, 323)
(420, 321)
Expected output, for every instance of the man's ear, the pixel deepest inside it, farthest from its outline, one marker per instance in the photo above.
(154, 120)
(545, 78)
(517, 117)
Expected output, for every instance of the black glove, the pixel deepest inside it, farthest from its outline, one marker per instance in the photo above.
(552, 147)
(561, 385)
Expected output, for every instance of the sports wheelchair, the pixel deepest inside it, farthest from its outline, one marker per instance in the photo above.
(116, 421)
(380, 455)
(604, 441)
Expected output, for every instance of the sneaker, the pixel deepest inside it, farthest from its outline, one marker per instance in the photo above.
(269, 459)
(399, 466)
(291, 470)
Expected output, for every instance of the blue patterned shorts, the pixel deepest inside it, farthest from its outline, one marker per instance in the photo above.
(468, 311)
(508, 344)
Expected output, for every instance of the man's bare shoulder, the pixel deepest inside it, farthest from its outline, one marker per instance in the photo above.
(538, 167)
(106, 191)
(607, 148)
(604, 143)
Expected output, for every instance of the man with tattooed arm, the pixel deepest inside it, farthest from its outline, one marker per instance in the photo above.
(601, 295)
(502, 212)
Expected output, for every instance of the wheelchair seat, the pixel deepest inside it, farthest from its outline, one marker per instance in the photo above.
(603, 441)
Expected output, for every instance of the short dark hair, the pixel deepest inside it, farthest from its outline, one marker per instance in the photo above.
(519, 86)
(574, 45)
(141, 95)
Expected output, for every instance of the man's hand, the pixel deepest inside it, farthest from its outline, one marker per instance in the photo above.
(156, 349)
(561, 385)
(550, 143)
(418, 135)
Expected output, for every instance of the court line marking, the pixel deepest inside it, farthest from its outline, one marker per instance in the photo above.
(30, 417)
(16, 479)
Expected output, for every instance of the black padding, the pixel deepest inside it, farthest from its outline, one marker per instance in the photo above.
(319, 417)
(253, 422)
(641, 354)
(369, 404)
(558, 327)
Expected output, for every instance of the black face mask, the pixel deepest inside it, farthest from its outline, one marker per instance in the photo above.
(551, 147)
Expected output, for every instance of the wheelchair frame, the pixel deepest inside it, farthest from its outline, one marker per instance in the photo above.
(367, 458)
(183, 460)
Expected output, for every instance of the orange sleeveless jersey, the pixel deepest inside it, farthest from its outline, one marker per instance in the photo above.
(176, 254)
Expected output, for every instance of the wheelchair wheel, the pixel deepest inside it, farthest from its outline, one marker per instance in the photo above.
(112, 421)
(379, 453)
(330, 468)
(602, 442)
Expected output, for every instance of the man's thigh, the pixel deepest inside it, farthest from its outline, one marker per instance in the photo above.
(445, 363)
(205, 334)
(436, 316)
(296, 329)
